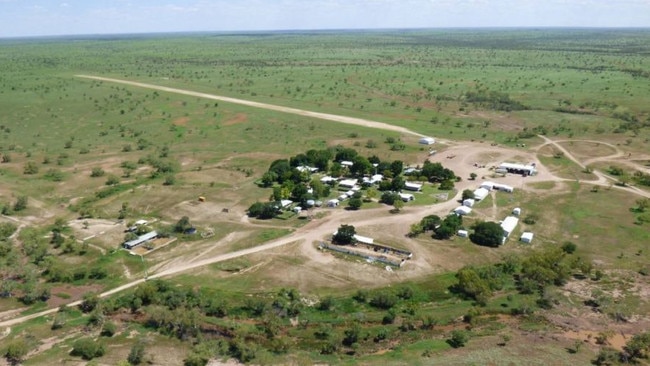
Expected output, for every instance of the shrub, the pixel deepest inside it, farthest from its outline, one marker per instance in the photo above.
(458, 339)
(87, 348)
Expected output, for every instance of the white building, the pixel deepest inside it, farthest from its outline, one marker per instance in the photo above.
(427, 141)
(412, 186)
(333, 203)
(140, 240)
(462, 233)
(328, 179)
(526, 237)
(480, 194)
(462, 210)
(516, 211)
(519, 168)
(508, 225)
(406, 197)
(347, 163)
(348, 183)
(503, 188)
(487, 185)
(469, 202)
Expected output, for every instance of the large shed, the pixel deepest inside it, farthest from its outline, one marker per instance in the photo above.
(508, 225)
(519, 168)
(480, 194)
(462, 210)
(140, 240)
(427, 141)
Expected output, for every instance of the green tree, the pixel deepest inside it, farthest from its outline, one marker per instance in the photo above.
(182, 225)
(16, 350)
(108, 329)
(30, 168)
(467, 193)
(355, 203)
(136, 355)
(21, 203)
(489, 234)
(398, 204)
(87, 348)
(344, 235)
(97, 172)
(458, 338)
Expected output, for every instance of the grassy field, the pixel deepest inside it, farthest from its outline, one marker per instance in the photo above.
(79, 149)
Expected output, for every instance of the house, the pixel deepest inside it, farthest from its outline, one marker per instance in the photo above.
(480, 194)
(462, 210)
(427, 141)
(406, 197)
(519, 168)
(140, 240)
(469, 202)
(346, 163)
(348, 183)
(328, 180)
(412, 186)
(411, 171)
(462, 233)
(333, 203)
(526, 237)
(508, 225)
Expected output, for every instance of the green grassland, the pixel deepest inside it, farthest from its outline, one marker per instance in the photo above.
(158, 152)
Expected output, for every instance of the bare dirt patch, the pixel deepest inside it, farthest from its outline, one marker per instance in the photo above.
(236, 119)
(72, 293)
(182, 121)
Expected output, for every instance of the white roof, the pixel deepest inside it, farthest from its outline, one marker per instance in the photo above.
(427, 140)
(327, 179)
(462, 210)
(517, 166)
(348, 183)
(285, 203)
(141, 222)
(364, 239)
(333, 201)
(503, 187)
(509, 224)
(347, 163)
(406, 196)
(462, 233)
(481, 193)
(527, 237)
(488, 185)
(469, 202)
(413, 185)
(305, 168)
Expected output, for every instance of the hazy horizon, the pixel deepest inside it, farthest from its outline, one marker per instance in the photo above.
(43, 18)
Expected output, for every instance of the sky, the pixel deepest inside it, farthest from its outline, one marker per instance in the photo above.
(21, 18)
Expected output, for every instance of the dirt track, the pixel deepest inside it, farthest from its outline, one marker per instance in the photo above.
(318, 229)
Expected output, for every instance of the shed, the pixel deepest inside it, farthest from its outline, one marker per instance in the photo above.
(469, 202)
(333, 203)
(140, 240)
(488, 185)
(348, 183)
(406, 197)
(504, 188)
(427, 141)
(508, 225)
(327, 179)
(347, 163)
(364, 239)
(516, 211)
(462, 233)
(285, 203)
(519, 168)
(462, 210)
(480, 194)
(297, 209)
(310, 203)
(140, 222)
(343, 197)
(526, 237)
(412, 186)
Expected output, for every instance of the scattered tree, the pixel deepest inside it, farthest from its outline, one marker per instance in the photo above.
(344, 235)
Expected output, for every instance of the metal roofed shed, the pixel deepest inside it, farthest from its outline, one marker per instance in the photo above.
(427, 141)
(469, 202)
(462, 233)
(526, 237)
(480, 194)
(462, 210)
(508, 225)
(140, 240)
(519, 168)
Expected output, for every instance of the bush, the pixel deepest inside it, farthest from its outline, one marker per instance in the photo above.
(489, 234)
(17, 350)
(87, 348)
(97, 172)
(569, 247)
(109, 329)
(458, 339)
(383, 300)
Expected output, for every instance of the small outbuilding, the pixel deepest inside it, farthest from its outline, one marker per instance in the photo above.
(333, 203)
(504, 188)
(508, 225)
(347, 163)
(348, 183)
(516, 211)
(469, 202)
(526, 237)
(406, 197)
(462, 210)
(140, 240)
(462, 233)
(480, 194)
(487, 185)
(412, 186)
(427, 141)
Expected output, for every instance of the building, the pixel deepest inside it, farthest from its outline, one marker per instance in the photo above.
(503, 188)
(333, 203)
(462, 210)
(406, 197)
(140, 240)
(305, 168)
(462, 233)
(508, 225)
(427, 141)
(516, 211)
(285, 203)
(412, 186)
(519, 168)
(348, 183)
(469, 202)
(526, 237)
(363, 239)
(480, 194)
(347, 163)
(328, 180)
(487, 185)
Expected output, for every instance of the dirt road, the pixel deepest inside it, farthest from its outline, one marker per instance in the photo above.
(273, 107)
